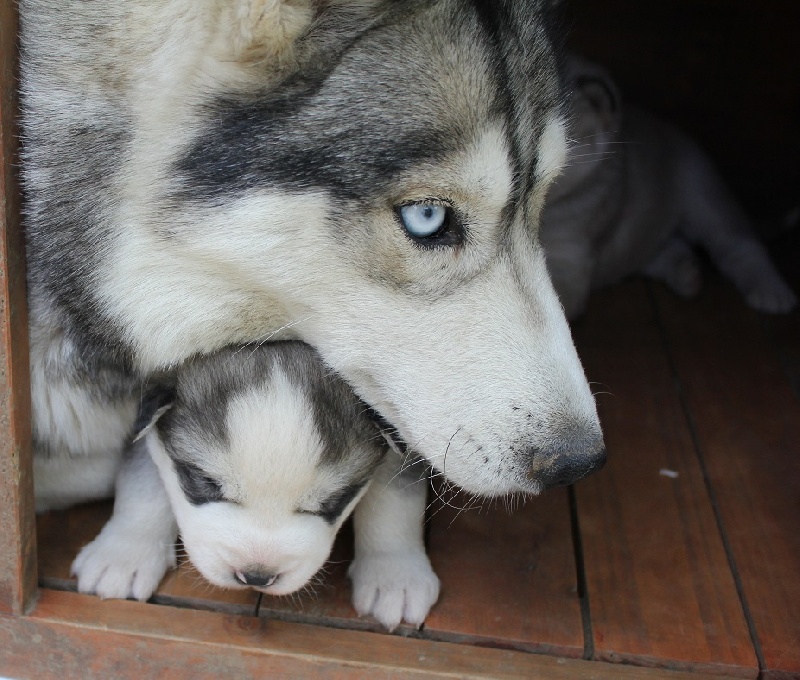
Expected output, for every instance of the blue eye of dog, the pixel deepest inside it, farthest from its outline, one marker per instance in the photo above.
(429, 223)
(423, 219)
(197, 486)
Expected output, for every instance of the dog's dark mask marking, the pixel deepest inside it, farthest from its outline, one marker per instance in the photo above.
(331, 508)
(197, 486)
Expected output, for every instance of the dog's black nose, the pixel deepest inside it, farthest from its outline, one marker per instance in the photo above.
(572, 459)
(256, 578)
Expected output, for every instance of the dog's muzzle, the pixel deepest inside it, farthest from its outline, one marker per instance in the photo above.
(570, 460)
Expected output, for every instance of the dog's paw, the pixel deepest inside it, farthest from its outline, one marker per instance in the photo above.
(772, 296)
(123, 564)
(394, 587)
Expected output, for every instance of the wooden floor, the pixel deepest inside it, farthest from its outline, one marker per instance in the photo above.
(683, 553)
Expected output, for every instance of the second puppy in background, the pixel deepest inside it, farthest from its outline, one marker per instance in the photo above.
(635, 197)
(259, 454)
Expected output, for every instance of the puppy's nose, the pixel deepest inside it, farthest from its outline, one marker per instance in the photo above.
(256, 578)
(573, 458)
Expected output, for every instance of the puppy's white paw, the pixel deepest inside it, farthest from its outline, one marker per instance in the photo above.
(123, 563)
(394, 587)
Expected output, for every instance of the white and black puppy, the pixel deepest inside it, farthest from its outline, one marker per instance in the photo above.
(257, 455)
(636, 196)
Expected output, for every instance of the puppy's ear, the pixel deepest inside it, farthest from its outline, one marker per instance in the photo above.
(154, 404)
(596, 100)
(601, 93)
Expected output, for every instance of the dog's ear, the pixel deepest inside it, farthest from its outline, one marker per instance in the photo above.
(596, 100)
(155, 403)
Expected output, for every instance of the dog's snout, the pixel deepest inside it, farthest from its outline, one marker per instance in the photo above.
(256, 578)
(573, 459)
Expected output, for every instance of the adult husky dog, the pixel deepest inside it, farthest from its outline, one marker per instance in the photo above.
(363, 175)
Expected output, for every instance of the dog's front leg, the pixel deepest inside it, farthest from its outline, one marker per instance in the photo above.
(136, 547)
(392, 576)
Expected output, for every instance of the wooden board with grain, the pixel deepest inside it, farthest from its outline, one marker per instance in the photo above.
(747, 422)
(659, 584)
(75, 636)
(508, 579)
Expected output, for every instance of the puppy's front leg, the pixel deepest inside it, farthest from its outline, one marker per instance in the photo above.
(392, 576)
(136, 547)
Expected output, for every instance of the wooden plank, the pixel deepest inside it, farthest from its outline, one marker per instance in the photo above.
(17, 532)
(62, 535)
(75, 636)
(747, 422)
(659, 584)
(507, 579)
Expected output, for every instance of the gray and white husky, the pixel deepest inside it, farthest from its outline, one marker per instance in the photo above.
(638, 197)
(362, 175)
(257, 455)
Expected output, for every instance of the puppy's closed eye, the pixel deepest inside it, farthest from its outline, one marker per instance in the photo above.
(198, 486)
(333, 506)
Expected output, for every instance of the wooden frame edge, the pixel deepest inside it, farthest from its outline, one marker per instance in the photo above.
(71, 635)
(17, 517)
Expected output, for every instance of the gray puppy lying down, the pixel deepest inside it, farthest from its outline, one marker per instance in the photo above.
(257, 455)
(636, 195)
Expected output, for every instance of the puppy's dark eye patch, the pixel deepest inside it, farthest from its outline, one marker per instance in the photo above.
(198, 487)
(333, 506)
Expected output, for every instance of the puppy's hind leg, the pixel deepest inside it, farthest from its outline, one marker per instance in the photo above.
(392, 576)
(714, 219)
(677, 265)
(136, 547)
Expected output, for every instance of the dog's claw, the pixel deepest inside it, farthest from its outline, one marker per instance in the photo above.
(120, 564)
(394, 588)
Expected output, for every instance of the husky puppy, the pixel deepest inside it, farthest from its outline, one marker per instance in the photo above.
(636, 198)
(257, 455)
(362, 175)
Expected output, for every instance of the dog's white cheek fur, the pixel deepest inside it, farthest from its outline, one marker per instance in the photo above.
(136, 547)
(392, 576)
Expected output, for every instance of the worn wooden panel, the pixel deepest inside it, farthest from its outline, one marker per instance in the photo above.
(17, 533)
(72, 636)
(660, 588)
(747, 420)
(508, 579)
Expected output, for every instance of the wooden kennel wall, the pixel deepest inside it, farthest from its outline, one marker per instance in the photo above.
(51, 633)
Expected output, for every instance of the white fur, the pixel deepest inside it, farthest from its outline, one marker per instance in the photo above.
(85, 435)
